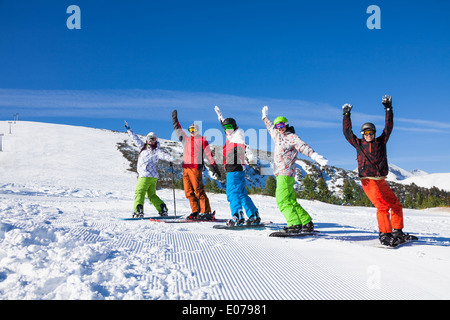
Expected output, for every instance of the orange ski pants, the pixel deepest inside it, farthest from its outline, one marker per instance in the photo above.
(389, 208)
(194, 189)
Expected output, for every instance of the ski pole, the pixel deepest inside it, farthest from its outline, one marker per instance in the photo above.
(173, 189)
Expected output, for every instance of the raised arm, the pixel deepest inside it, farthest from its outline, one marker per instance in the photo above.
(347, 125)
(140, 144)
(269, 125)
(219, 114)
(389, 119)
(177, 127)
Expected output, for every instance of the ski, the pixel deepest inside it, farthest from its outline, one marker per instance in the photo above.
(241, 226)
(187, 220)
(149, 218)
(283, 234)
(212, 218)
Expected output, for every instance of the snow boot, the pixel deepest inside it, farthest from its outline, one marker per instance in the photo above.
(139, 211)
(236, 220)
(163, 211)
(207, 216)
(193, 216)
(387, 239)
(293, 229)
(254, 219)
(401, 237)
(309, 227)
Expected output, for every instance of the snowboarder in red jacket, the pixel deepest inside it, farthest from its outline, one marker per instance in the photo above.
(373, 169)
(195, 147)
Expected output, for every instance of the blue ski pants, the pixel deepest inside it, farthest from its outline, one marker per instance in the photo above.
(237, 194)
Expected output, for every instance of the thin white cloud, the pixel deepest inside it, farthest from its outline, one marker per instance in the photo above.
(426, 123)
(158, 104)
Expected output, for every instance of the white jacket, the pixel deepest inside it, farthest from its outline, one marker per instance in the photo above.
(287, 147)
(148, 158)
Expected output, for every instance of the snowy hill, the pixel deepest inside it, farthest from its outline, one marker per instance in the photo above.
(398, 174)
(419, 178)
(62, 189)
(438, 180)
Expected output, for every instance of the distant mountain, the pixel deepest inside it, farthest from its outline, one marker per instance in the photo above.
(437, 180)
(398, 174)
(419, 178)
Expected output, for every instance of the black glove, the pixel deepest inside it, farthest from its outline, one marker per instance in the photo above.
(387, 102)
(346, 108)
(175, 120)
(216, 170)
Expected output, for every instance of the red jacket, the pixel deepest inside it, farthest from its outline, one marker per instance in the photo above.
(372, 156)
(194, 149)
(233, 156)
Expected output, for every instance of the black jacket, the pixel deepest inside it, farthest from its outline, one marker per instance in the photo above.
(372, 156)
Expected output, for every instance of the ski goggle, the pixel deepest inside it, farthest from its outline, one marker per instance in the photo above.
(228, 127)
(151, 139)
(369, 132)
(280, 125)
(192, 129)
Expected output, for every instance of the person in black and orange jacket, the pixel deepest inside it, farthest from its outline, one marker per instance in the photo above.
(195, 147)
(373, 169)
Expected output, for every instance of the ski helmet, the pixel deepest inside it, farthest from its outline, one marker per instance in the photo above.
(152, 137)
(229, 122)
(193, 127)
(280, 119)
(368, 126)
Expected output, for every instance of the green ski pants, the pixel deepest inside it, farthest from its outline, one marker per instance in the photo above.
(147, 186)
(287, 202)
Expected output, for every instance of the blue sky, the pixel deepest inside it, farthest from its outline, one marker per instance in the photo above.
(139, 60)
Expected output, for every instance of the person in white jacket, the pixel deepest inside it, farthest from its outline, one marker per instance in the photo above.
(287, 147)
(149, 155)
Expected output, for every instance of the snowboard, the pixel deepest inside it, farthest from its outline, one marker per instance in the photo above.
(241, 226)
(379, 245)
(282, 234)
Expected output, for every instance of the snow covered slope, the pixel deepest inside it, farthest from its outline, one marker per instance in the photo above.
(397, 174)
(51, 155)
(438, 180)
(62, 189)
(419, 177)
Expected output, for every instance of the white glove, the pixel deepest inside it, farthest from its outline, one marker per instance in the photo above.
(265, 112)
(387, 102)
(319, 159)
(219, 114)
(346, 108)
